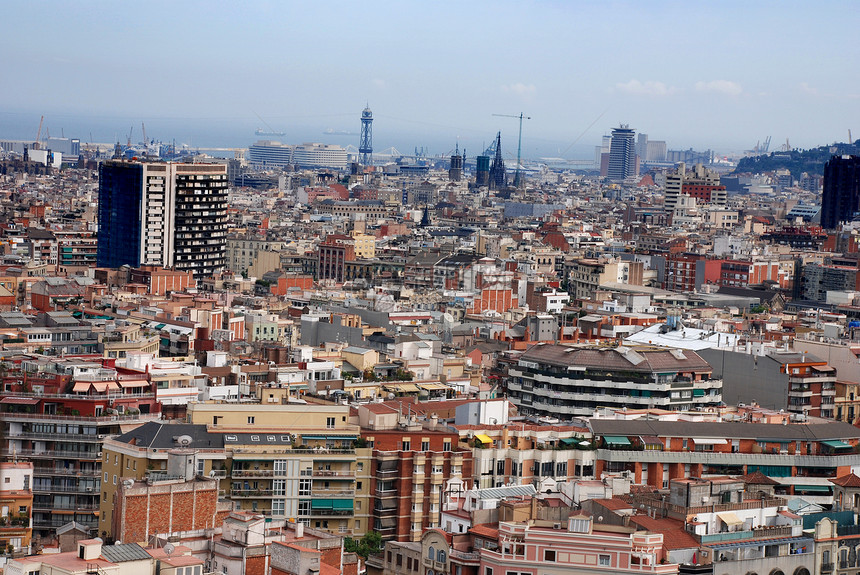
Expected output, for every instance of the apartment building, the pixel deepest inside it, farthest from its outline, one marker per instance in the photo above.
(566, 381)
(143, 455)
(293, 461)
(16, 505)
(799, 456)
(61, 426)
(527, 454)
(414, 465)
(530, 547)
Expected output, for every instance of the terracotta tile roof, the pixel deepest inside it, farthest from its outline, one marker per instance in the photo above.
(486, 531)
(674, 536)
(758, 478)
(613, 504)
(849, 480)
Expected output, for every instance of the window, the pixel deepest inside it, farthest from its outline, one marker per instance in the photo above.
(441, 556)
(603, 560)
(488, 571)
(549, 555)
(114, 479)
(329, 422)
(250, 420)
(304, 487)
(407, 445)
(399, 560)
(425, 446)
(446, 446)
(431, 553)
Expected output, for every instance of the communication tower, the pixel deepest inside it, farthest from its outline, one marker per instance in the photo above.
(365, 146)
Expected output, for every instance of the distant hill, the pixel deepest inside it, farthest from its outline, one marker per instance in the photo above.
(796, 161)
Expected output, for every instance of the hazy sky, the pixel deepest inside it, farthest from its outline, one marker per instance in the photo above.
(717, 74)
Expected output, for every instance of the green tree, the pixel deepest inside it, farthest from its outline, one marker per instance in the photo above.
(367, 545)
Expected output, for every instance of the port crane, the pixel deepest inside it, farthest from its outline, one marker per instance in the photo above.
(521, 116)
(38, 134)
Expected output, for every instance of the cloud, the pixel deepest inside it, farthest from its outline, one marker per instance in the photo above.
(805, 87)
(726, 87)
(520, 89)
(648, 88)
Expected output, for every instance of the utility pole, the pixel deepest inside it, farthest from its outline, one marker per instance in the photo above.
(517, 179)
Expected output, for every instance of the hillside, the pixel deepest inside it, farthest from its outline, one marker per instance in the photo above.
(796, 161)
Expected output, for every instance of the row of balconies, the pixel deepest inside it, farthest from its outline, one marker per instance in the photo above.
(714, 457)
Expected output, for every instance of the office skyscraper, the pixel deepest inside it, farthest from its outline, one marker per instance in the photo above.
(622, 153)
(172, 215)
(840, 198)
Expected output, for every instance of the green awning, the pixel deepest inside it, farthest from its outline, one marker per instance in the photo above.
(616, 440)
(698, 393)
(320, 504)
(349, 437)
(836, 444)
(568, 440)
(812, 488)
(341, 503)
(313, 436)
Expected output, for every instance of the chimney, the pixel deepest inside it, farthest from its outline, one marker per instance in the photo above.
(300, 530)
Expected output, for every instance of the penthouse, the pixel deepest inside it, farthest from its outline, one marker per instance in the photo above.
(565, 381)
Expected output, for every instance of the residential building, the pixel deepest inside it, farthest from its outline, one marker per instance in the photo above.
(414, 467)
(840, 198)
(16, 506)
(700, 183)
(62, 430)
(293, 461)
(171, 215)
(800, 457)
(567, 381)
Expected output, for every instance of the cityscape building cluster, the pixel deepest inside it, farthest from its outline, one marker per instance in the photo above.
(326, 359)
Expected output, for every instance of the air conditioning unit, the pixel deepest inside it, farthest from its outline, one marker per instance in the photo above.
(99, 454)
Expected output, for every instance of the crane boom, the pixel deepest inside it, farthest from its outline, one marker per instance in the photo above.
(517, 180)
(143, 128)
(39, 133)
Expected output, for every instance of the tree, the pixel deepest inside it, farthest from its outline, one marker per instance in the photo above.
(370, 544)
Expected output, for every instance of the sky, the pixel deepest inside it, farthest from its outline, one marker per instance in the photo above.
(719, 75)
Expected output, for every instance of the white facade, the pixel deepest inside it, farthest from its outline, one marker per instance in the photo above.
(320, 156)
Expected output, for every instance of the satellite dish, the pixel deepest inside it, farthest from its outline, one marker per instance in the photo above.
(169, 549)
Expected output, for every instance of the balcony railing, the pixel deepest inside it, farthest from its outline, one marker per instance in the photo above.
(253, 473)
(94, 419)
(333, 474)
(91, 455)
(330, 512)
(254, 493)
(77, 438)
(760, 532)
(39, 472)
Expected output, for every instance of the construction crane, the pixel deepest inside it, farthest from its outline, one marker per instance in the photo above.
(517, 180)
(143, 128)
(38, 134)
(128, 137)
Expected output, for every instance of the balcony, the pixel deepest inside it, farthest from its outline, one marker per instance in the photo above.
(328, 474)
(332, 493)
(330, 513)
(51, 453)
(758, 533)
(712, 457)
(240, 473)
(254, 494)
